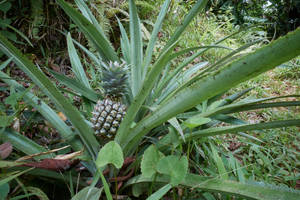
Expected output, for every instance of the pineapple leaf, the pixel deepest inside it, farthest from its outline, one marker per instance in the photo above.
(215, 83)
(136, 49)
(91, 32)
(255, 190)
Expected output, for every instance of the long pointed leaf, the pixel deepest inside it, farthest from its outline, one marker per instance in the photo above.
(254, 190)
(160, 193)
(47, 112)
(85, 132)
(232, 129)
(22, 143)
(215, 83)
(77, 67)
(88, 14)
(199, 5)
(248, 105)
(140, 98)
(152, 41)
(125, 44)
(77, 87)
(101, 43)
(136, 49)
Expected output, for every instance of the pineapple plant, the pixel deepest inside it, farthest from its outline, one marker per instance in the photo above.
(108, 112)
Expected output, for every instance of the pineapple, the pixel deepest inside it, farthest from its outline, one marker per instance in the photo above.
(108, 113)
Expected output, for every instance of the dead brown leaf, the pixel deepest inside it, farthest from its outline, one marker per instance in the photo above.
(5, 150)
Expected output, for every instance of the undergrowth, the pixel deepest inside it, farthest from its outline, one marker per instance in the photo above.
(275, 159)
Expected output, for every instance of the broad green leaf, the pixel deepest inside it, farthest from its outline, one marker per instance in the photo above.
(194, 122)
(160, 193)
(208, 196)
(240, 172)
(139, 189)
(84, 131)
(149, 161)
(88, 193)
(4, 190)
(6, 120)
(111, 153)
(5, 6)
(174, 166)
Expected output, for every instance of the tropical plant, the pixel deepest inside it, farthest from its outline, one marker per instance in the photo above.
(156, 95)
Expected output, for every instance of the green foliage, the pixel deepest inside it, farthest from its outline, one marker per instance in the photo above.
(196, 121)
(4, 190)
(278, 17)
(190, 100)
(37, 15)
(174, 166)
(91, 193)
(149, 161)
(111, 153)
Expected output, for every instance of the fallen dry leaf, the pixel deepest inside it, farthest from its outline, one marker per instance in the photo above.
(53, 164)
(5, 150)
(42, 153)
(68, 156)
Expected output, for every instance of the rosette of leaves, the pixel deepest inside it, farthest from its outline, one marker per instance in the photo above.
(158, 96)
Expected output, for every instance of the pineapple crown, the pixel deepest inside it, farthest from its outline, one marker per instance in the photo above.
(114, 78)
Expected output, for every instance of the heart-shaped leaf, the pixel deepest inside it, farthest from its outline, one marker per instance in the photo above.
(110, 153)
(174, 166)
(149, 161)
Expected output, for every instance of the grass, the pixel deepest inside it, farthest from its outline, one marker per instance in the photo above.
(275, 160)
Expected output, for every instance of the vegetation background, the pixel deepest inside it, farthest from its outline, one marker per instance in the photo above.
(39, 28)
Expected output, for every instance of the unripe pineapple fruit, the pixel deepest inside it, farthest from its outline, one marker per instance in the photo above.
(108, 113)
